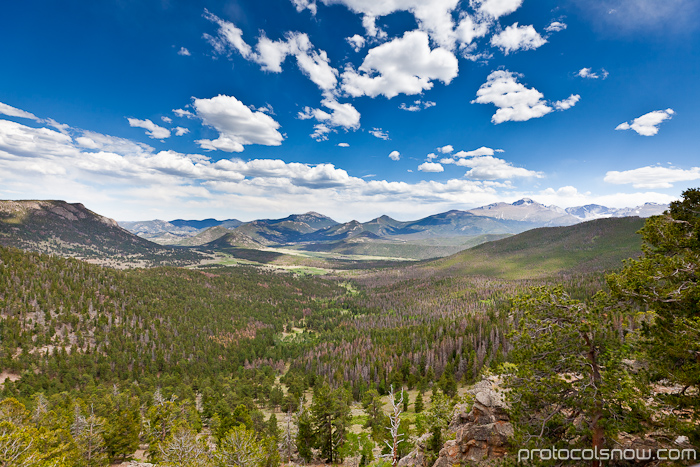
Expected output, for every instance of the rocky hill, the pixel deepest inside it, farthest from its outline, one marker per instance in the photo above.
(65, 229)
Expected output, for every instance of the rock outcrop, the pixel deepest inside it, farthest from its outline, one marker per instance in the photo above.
(482, 430)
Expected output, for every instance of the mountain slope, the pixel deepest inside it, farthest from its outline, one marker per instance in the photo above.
(596, 245)
(65, 229)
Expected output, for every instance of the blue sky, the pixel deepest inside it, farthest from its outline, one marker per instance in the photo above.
(353, 108)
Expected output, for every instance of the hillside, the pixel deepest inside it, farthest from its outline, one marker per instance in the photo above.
(65, 229)
(596, 245)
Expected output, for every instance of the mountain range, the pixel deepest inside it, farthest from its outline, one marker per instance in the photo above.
(67, 229)
(444, 233)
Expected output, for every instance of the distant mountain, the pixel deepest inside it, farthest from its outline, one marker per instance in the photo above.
(233, 239)
(596, 211)
(57, 227)
(205, 236)
(591, 211)
(527, 210)
(313, 220)
(205, 223)
(595, 245)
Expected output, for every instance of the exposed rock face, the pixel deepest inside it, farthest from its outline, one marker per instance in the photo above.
(416, 458)
(482, 431)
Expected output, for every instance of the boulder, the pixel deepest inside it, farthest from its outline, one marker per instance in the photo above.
(482, 429)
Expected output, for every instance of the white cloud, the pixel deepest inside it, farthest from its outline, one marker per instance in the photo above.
(166, 119)
(236, 123)
(555, 26)
(314, 64)
(405, 65)
(342, 115)
(124, 179)
(496, 8)
(14, 112)
(482, 151)
(179, 131)
(653, 176)
(433, 167)
(302, 5)
(343, 145)
(379, 133)
(433, 16)
(183, 113)
(184, 52)
(515, 102)
(357, 42)
(394, 155)
(470, 28)
(647, 124)
(589, 74)
(515, 38)
(321, 132)
(431, 156)
(493, 168)
(229, 36)
(153, 130)
(270, 54)
(446, 149)
(567, 103)
(417, 105)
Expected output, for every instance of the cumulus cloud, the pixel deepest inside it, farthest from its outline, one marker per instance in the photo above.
(653, 176)
(183, 113)
(446, 149)
(379, 133)
(342, 115)
(555, 26)
(357, 42)
(496, 8)
(154, 131)
(270, 54)
(515, 102)
(647, 124)
(493, 168)
(417, 105)
(184, 52)
(431, 167)
(588, 73)
(515, 38)
(405, 65)
(166, 119)
(343, 145)
(394, 155)
(14, 112)
(567, 103)
(179, 131)
(470, 28)
(482, 151)
(321, 132)
(236, 123)
(433, 16)
(302, 5)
